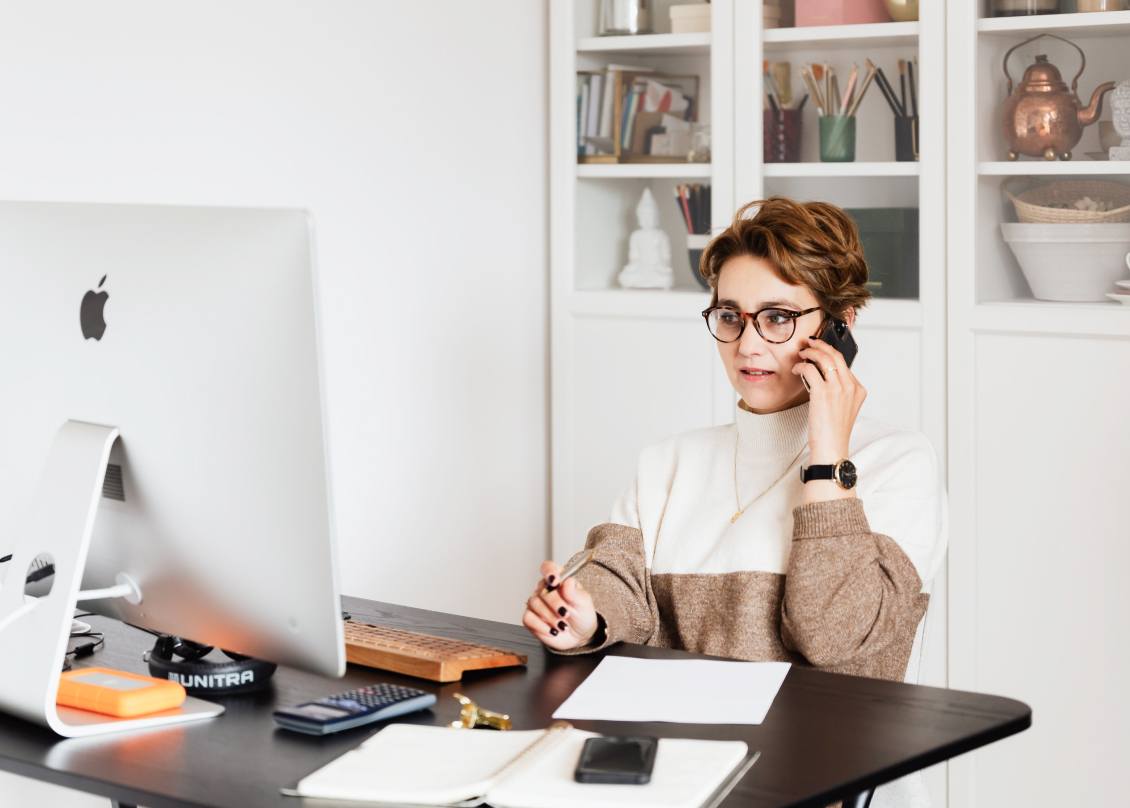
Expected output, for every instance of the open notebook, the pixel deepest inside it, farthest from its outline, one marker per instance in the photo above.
(426, 765)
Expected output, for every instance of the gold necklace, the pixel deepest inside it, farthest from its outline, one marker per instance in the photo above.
(737, 499)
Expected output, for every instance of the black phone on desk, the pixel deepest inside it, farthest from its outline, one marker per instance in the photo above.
(617, 760)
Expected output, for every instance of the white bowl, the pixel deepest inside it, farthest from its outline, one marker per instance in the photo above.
(1069, 262)
(1120, 298)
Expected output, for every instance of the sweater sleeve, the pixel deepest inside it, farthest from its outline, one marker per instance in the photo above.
(853, 595)
(853, 599)
(617, 579)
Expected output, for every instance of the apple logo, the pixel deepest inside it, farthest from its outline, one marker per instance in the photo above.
(91, 314)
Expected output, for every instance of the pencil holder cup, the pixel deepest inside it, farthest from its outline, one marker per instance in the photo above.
(906, 138)
(837, 138)
(696, 243)
(781, 135)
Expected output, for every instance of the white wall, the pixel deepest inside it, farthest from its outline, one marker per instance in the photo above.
(416, 134)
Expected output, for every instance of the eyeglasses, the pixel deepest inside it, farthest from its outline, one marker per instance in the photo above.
(727, 324)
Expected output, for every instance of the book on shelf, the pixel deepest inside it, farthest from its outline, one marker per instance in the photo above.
(415, 764)
(634, 114)
(595, 104)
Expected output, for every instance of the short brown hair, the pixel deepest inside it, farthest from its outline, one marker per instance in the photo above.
(815, 244)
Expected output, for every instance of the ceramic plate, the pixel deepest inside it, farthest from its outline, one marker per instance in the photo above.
(1123, 284)
(1120, 298)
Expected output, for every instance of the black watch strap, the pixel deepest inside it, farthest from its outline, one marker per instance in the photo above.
(826, 471)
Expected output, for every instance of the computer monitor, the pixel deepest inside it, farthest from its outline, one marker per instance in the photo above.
(194, 331)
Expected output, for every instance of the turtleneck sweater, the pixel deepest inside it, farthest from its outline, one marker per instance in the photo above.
(841, 584)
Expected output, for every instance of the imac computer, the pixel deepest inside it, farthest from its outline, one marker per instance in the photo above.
(162, 440)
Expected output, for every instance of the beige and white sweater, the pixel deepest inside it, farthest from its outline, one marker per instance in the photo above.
(837, 585)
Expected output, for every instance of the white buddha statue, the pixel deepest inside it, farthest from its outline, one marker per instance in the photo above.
(649, 250)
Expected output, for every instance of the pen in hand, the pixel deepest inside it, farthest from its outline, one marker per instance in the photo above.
(569, 571)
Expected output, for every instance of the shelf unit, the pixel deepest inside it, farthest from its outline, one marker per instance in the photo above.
(603, 338)
(1057, 168)
(842, 37)
(876, 179)
(1105, 24)
(1013, 403)
(644, 170)
(663, 45)
(831, 170)
(967, 363)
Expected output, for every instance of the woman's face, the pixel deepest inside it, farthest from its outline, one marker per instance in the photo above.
(761, 371)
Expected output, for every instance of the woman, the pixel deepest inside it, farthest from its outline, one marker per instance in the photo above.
(718, 547)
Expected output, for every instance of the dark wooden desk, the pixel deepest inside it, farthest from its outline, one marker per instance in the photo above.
(826, 738)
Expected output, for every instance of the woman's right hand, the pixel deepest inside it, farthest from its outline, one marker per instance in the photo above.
(562, 618)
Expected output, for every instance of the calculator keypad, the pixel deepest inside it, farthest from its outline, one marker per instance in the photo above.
(361, 706)
(373, 697)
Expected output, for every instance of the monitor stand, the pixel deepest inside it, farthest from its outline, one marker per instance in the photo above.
(60, 522)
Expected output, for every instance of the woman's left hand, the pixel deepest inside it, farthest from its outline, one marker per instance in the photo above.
(835, 399)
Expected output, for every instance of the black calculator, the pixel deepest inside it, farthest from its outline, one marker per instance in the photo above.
(353, 708)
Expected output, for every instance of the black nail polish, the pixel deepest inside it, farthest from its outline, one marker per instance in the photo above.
(553, 631)
(550, 588)
(561, 625)
(561, 611)
(550, 579)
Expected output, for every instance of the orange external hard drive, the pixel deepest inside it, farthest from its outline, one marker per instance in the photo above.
(118, 693)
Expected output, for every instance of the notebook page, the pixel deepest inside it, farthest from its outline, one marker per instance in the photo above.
(417, 764)
(686, 773)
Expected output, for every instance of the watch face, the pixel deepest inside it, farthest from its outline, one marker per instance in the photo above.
(846, 473)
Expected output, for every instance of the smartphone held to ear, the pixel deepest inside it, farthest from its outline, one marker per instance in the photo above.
(836, 333)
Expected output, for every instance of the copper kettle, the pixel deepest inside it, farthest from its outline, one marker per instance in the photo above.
(1043, 118)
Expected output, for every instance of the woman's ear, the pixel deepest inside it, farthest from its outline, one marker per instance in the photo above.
(849, 317)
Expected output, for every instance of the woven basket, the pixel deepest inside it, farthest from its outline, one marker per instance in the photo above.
(1034, 204)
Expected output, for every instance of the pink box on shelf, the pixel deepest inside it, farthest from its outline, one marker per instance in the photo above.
(840, 12)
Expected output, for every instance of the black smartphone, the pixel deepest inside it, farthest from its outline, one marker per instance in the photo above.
(617, 759)
(838, 335)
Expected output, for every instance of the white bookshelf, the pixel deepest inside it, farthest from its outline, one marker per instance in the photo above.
(661, 45)
(830, 170)
(1104, 24)
(644, 170)
(843, 37)
(1048, 318)
(1012, 405)
(994, 377)
(1053, 168)
(648, 350)
(637, 346)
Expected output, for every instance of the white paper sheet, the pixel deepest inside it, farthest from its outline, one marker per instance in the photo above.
(688, 691)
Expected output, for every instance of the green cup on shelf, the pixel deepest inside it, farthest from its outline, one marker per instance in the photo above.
(837, 138)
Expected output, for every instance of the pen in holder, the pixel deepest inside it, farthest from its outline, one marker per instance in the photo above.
(781, 135)
(906, 138)
(837, 138)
